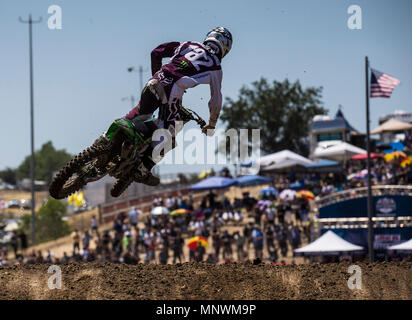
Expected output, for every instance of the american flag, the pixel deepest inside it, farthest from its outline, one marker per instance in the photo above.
(382, 84)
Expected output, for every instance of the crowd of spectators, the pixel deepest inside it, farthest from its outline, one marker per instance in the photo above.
(267, 228)
(353, 175)
(240, 230)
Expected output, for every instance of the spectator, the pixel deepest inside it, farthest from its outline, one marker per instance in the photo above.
(282, 238)
(211, 258)
(178, 248)
(76, 240)
(295, 237)
(49, 257)
(239, 239)
(39, 258)
(270, 239)
(23, 241)
(227, 246)
(199, 252)
(86, 240)
(65, 258)
(164, 255)
(257, 236)
(14, 242)
(94, 224)
(216, 242)
(134, 216)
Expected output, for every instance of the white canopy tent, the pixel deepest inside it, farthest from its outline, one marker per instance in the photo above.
(392, 125)
(404, 247)
(282, 156)
(340, 152)
(328, 244)
(286, 164)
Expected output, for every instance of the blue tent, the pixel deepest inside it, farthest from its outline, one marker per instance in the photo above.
(213, 183)
(395, 146)
(269, 191)
(322, 163)
(247, 164)
(251, 179)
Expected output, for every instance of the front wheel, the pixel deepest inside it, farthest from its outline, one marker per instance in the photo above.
(83, 168)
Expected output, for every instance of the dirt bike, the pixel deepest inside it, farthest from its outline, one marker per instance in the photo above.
(118, 152)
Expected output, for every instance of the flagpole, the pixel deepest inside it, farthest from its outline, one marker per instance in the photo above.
(370, 203)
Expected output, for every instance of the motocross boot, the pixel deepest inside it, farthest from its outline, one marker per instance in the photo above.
(147, 164)
(145, 169)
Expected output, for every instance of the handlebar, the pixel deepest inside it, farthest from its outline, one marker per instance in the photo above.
(188, 114)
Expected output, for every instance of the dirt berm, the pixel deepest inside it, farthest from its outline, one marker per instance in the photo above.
(205, 281)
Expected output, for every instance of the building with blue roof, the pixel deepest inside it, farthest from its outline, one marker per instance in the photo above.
(324, 130)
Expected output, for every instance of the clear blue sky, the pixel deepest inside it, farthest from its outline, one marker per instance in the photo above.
(80, 71)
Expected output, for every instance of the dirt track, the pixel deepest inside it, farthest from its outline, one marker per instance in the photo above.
(204, 281)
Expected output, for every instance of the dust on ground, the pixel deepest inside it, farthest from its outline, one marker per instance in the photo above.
(387, 280)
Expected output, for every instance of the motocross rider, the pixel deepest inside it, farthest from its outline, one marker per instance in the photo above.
(191, 64)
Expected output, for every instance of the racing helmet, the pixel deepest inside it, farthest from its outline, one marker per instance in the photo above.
(222, 37)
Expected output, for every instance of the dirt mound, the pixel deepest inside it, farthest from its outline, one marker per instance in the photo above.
(205, 281)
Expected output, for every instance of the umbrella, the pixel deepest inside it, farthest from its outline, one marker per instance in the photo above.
(394, 155)
(296, 186)
(394, 146)
(306, 194)
(213, 183)
(288, 194)
(269, 191)
(262, 203)
(364, 156)
(406, 162)
(11, 226)
(194, 242)
(179, 212)
(157, 211)
(250, 180)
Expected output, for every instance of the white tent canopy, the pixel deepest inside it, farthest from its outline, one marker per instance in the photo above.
(402, 247)
(282, 156)
(288, 163)
(340, 152)
(328, 244)
(392, 125)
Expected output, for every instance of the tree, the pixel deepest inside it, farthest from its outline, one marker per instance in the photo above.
(282, 111)
(8, 176)
(48, 221)
(47, 161)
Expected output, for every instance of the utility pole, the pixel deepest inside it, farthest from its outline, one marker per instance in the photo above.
(140, 71)
(370, 202)
(30, 22)
(141, 78)
(131, 100)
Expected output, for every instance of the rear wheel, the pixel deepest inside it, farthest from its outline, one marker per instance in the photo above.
(87, 166)
(121, 185)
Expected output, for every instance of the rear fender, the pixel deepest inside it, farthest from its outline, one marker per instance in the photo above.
(126, 127)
